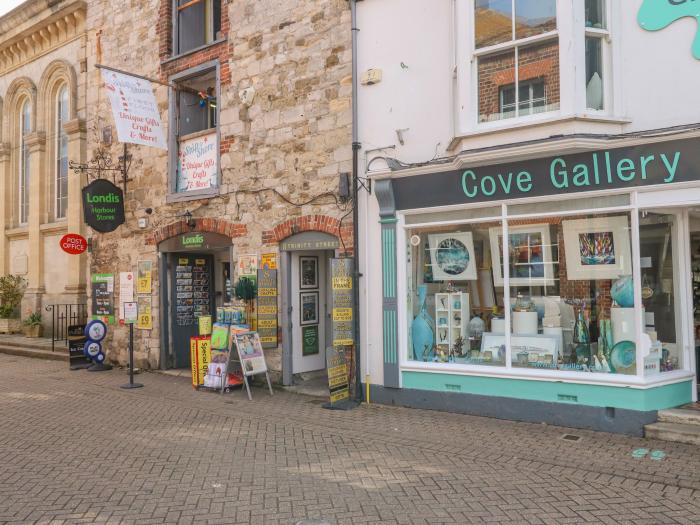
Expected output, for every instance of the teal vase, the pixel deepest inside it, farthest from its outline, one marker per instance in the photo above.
(423, 330)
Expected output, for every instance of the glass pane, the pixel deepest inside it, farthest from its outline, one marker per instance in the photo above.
(191, 25)
(451, 296)
(493, 20)
(585, 203)
(594, 73)
(571, 293)
(659, 283)
(595, 13)
(456, 215)
(496, 79)
(534, 17)
(538, 77)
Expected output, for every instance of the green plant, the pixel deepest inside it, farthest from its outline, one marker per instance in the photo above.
(34, 319)
(245, 289)
(11, 292)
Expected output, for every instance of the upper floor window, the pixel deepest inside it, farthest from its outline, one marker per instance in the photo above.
(597, 37)
(517, 51)
(196, 23)
(61, 149)
(23, 182)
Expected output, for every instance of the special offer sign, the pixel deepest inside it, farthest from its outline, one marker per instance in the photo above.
(73, 243)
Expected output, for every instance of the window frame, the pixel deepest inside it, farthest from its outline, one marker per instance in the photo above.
(173, 134)
(24, 165)
(606, 40)
(59, 135)
(208, 28)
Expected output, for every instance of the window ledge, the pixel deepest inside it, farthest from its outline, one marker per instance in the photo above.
(208, 193)
(175, 58)
(17, 233)
(59, 225)
(586, 378)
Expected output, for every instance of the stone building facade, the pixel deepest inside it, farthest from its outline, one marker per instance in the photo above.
(270, 82)
(42, 114)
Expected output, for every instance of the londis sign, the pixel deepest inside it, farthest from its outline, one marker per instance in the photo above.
(659, 14)
(657, 164)
(103, 206)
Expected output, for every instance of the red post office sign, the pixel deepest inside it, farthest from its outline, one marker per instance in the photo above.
(73, 243)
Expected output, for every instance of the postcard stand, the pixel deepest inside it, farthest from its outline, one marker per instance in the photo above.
(250, 358)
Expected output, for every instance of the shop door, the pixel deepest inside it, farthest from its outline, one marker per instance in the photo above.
(192, 296)
(309, 311)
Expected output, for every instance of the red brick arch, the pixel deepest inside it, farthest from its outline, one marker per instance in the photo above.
(308, 223)
(229, 229)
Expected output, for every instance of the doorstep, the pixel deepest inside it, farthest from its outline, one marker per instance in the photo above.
(35, 347)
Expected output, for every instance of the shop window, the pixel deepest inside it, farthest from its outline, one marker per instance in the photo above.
(597, 37)
(196, 132)
(61, 150)
(23, 179)
(516, 77)
(196, 23)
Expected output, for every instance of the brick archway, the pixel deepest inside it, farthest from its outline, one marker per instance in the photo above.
(307, 223)
(219, 226)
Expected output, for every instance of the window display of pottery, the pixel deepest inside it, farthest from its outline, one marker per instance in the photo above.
(423, 329)
(622, 291)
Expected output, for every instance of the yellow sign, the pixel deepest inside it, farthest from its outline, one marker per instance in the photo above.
(267, 323)
(204, 324)
(267, 310)
(342, 314)
(342, 283)
(193, 360)
(183, 261)
(342, 342)
(268, 261)
(268, 340)
(200, 357)
(144, 320)
(267, 292)
(339, 395)
(143, 277)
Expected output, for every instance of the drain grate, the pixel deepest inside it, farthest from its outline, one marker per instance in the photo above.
(570, 437)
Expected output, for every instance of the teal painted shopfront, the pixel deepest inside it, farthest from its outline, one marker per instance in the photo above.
(559, 289)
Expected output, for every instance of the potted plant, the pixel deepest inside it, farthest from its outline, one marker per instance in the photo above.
(11, 293)
(246, 290)
(32, 325)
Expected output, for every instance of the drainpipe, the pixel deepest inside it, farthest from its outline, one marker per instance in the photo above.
(355, 214)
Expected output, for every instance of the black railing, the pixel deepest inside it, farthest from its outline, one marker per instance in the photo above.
(63, 316)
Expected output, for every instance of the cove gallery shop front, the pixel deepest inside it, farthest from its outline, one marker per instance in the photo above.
(559, 289)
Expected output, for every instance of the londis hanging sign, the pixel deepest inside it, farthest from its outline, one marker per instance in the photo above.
(103, 206)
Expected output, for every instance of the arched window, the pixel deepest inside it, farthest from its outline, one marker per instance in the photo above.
(61, 161)
(24, 129)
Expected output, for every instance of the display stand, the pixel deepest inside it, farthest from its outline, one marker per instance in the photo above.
(251, 358)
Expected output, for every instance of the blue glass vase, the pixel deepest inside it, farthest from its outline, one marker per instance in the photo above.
(423, 330)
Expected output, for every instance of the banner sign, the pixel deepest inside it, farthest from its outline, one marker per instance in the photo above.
(103, 297)
(337, 364)
(658, 163)
(267, 308)
(103, 206)
(197, 163)
(134, 109)
(343, 316)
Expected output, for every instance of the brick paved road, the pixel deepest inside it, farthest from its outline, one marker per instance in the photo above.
(74, 448)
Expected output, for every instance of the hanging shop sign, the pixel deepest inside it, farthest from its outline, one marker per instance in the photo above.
(659, 163)
(197, 163)
(134, 109)
(73, 243)
(338, 381)
(343, 315)
(659, 14)
(267, 308)
(103, 297)
(103, 206)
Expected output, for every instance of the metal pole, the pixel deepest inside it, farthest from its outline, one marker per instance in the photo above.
(131, 383)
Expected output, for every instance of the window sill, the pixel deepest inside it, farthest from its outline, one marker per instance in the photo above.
(586, 378)
(208, 193)
(59, 225)
(19, 232)
(175, 58)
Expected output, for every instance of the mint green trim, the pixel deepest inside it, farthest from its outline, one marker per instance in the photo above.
(656, 398)
(388, 220)
(390, 342)
(389, 261)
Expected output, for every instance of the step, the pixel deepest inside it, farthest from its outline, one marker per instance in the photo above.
(61, 354)
(29, 342)
(680, 415)
(675, 432)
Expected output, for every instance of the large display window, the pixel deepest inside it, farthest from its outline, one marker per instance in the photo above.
(593, 293)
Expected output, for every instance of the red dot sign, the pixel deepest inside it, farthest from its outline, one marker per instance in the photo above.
(73, 243)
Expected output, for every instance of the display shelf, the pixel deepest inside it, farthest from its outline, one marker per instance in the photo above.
(451, 320)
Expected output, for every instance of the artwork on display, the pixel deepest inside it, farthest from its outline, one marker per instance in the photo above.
(308, 272)
(250, 352)
(309, 308)
(597, 248)
(452, 256)
(530, 251)
(248, 266)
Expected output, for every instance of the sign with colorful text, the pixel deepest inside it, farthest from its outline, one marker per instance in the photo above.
(73, 243)
(338, 381)
(144, 277)
(267, 308)
(343, 318)
(659, 14)
(197, 163)
(103, 297)
(134, 109)
(660, 163)
(103, 206)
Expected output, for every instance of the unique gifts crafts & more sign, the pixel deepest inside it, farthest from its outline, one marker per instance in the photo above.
(103, 206)
(197, 163)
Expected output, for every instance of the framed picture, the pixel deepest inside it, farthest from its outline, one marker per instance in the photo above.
(308, 308)
(308, 272)
(452, 256)
(250, 352)
(597, 248)
(530, 250)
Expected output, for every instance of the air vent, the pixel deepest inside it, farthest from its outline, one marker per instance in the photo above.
(570, 437)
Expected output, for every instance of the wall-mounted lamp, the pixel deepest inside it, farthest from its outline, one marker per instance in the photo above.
(189, 220)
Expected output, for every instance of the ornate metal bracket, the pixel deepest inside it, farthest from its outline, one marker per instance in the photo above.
(102, 165)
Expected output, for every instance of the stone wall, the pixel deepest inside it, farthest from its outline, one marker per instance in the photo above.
(295, 137)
